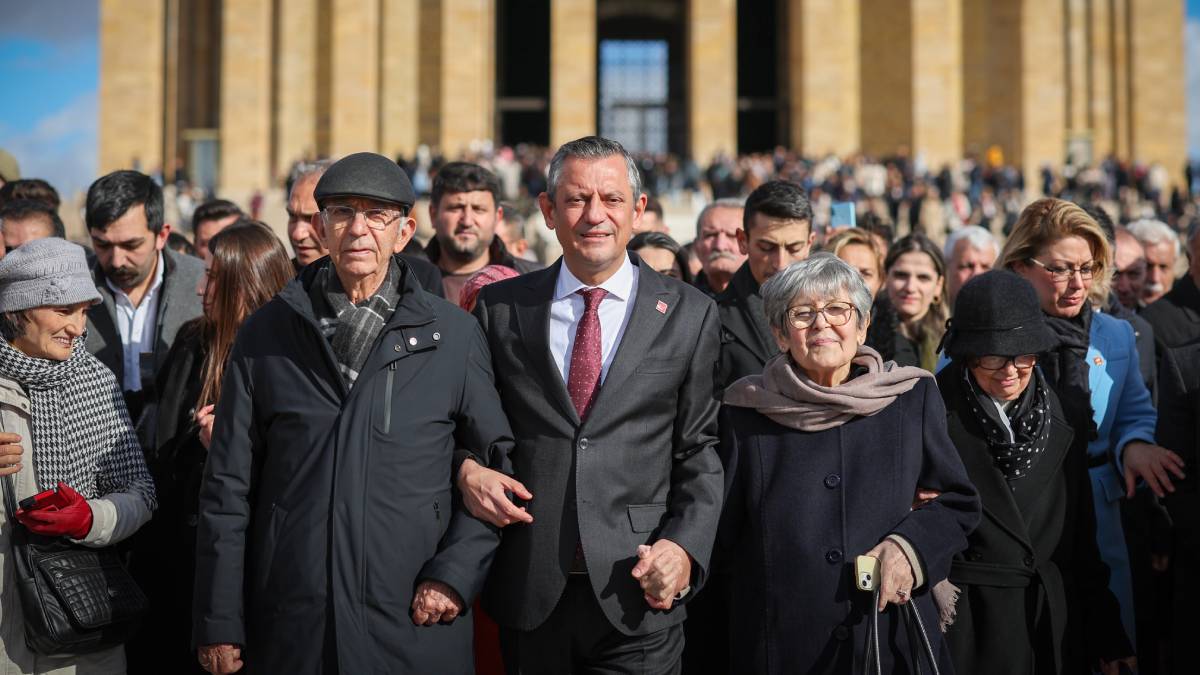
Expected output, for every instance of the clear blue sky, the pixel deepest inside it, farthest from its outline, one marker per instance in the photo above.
(49, 72)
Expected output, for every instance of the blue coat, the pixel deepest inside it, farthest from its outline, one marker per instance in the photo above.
(1123, 412)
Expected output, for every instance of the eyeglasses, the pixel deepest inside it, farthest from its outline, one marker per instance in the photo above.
(338, 217)
(1022, 362)
(1063, 273)
(836, 314)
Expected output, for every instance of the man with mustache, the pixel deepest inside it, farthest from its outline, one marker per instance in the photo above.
(716, 244)
(464, 205)
(147, 291)
(1161, 247)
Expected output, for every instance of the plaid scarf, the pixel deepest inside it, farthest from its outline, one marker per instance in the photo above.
(352, 328)
(82, 435)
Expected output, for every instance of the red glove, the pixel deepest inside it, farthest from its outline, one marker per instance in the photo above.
(72, 518)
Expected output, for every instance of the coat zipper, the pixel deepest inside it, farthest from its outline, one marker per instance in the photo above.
(437, 512)
(387, 399)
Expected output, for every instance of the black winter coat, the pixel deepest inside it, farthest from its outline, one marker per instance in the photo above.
(884, 336)
(746, 342)
(322, 508)
(802, 505)
(1035, 595)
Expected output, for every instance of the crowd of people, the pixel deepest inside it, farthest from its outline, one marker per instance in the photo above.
(961, 444)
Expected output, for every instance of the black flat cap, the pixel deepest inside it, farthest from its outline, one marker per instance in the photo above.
(997, 313)
(366, 174)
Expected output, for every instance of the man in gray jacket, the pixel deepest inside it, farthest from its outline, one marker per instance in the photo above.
(147, 291)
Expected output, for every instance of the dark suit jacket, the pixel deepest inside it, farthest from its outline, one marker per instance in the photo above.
(746, 342)
(1176, 315)
(1032, 564)
(642, 467)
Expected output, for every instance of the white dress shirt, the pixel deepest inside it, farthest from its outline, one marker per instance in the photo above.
(137, 326)
(567, 309)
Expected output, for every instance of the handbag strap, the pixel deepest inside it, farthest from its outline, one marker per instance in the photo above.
(918, 638)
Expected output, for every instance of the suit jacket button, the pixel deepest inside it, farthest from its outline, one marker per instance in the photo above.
(1028, 561)
(841, 632)
(583, 444)
(834, 556)
(833, 480)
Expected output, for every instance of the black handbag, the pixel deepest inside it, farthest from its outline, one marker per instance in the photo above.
(75, 599)
(918, 640)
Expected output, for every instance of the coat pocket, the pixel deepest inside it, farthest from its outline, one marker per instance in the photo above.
(646, 517)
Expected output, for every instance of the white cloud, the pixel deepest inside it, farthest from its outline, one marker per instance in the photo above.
(1191, 50)
(61, 147)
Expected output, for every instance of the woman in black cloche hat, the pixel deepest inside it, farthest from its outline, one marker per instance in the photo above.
(1032, 590)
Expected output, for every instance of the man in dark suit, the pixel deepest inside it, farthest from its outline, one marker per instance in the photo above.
(776, 232)
(606, 372)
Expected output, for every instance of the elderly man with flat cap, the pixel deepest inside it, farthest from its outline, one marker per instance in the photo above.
(330, 539)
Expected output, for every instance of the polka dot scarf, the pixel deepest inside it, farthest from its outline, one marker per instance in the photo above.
(1015, 453)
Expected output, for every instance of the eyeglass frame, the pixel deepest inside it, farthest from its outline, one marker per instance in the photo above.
(821, 311)
(977, 362)
(1096, 267)
(400, 212)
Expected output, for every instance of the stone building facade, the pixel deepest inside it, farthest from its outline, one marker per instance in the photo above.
(238, 89)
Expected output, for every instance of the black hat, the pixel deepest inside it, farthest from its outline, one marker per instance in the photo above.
(997, 313)
(366, 174)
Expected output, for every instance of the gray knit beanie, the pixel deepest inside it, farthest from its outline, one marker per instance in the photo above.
(45, 272)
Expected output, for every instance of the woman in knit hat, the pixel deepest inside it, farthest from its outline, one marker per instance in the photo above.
(63, 426)
(1032, 566)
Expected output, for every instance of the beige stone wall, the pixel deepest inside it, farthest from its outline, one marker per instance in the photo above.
(1043, 89)
(354, 77)
(131, 84)
(246, 95)
(1159, 110)
(823, 75)
(572, 70)
(712, 78)
(1078, 58)
(1122, 110)
(295, 83)
(937, 80)
(399, 89)
(887, 30)
(1100, 45)
(468, 74)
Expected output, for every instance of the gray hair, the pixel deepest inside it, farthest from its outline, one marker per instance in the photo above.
(1150, 232)
(821, 276)
(304, 170)
(975, 236)
(592, 147)
(723, 203)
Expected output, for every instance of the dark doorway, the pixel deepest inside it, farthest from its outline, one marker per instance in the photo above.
(760, 123)
(523, 71)
(641, 97)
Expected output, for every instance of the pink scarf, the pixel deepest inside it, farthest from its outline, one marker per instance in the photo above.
(786, 395)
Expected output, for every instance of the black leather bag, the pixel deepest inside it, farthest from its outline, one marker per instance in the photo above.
(75, 599)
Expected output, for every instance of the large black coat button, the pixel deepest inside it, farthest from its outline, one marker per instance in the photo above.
(833, 480)
(834, 556)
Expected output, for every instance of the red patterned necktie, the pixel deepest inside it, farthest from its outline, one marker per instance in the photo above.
(584, 379)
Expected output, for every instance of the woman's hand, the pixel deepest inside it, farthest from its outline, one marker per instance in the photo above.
(220, 659)
(204, 419)
(483, 494)
(895, 573)
(1152, 464)
(10, 454)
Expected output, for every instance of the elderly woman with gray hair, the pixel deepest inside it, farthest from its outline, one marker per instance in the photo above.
(832, 454)
(63, 427)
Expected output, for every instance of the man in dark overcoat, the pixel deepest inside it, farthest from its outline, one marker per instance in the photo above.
(330, 539)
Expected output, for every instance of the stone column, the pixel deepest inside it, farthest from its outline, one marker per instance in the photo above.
(1123, 137)
(1042, 92)
(1157, 83)
(887, 84)
(712, 78)
(468, 73)
(131, 85)
(245, 134)
(572, 70)
(1100, 107)
(937, 80)
(354, 77)
(400, 59)
(1078, 64)
(823, 75)
(296, 83)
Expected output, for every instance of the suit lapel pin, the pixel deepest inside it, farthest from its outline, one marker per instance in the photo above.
(1098, 361)
(661, 307)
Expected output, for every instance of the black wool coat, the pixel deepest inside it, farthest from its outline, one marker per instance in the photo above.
(802, 505)
(1034, 591)
(322, 508)
(746, 342)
